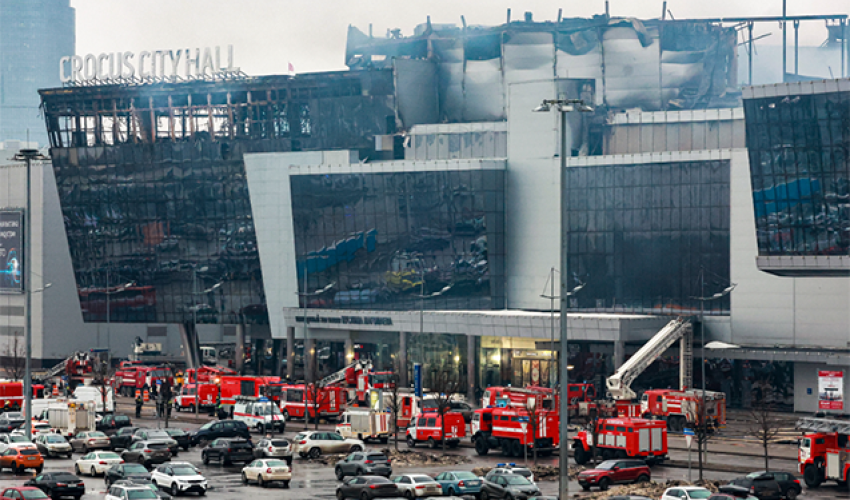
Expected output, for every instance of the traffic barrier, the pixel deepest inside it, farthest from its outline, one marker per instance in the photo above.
(55, 390)
(147, 396)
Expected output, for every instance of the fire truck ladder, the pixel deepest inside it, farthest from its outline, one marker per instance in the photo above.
(827, 425)
(58, 368)
(340, 375)
(619, 384)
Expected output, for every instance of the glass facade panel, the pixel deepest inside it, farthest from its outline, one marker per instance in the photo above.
(800, 173)
(382, 239)
(646, 248)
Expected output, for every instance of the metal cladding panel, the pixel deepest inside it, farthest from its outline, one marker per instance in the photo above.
(416, 90)
(631, 69)
(529, 57)
(484, 99)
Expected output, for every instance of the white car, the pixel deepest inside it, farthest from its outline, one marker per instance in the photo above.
(38, 428)
(264, 471)
(178, 478)
(7, 440)
(96, 462)
(686, 493)
(123, 492)
(53, 445)
(418, 485)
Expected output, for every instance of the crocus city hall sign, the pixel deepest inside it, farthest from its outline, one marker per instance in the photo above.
(159, 64)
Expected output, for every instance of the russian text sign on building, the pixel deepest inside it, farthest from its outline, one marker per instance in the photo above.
(158, 65)
(830, 390)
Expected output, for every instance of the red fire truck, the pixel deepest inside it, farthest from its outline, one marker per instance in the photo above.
(428, 428)
(207, 396)
(824, 455)
(298, 400)
(132, 376)
(503, 428)
(207, 374)
(231, 386)
(681, 408)
(622, 438)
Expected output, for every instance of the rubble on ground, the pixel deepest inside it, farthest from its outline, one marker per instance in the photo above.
(652, 489)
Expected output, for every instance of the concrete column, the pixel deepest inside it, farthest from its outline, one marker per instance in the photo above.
(402, 360)
(259, 356)
(309, 360)
(280, 355)
(619, 353)
(349, 351)
(290, 352)
(239, 351)
(471, 354)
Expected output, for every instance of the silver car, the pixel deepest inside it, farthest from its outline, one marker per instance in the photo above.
(315, 443)
(418, 485)
(53, 445)
(274, 448)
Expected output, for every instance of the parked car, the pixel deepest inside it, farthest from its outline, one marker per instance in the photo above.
(96, 462)
(183, 438)
(20, 459)
(459, 483)
(221, 429)
(121, 440)
(147, 453)
(463, 408)
(144, 483)
(508, 486)
(58, 484)
(11, 420)
(761, 485)
(361, 463)
(732, 492)
(264, 471)
(228, 450)
(37, 428)
(274, 448)
(86, 441)
(23, 493)
(417, 485)
(156, 435)
(125, 471)
(178, 478)
(111, 423)
(510, 469)
(127, 492)
(315, 443)
(367, 488)
(8, 440)
(53, 445)
(686, 493)
(614, 472)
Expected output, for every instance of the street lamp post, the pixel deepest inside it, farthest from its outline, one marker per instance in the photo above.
(304, 296)
(702, 300)
(28, 155)
(564, 106)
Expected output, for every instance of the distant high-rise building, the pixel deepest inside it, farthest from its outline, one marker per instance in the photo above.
(34, 35)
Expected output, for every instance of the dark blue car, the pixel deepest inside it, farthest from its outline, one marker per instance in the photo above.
(459, 483)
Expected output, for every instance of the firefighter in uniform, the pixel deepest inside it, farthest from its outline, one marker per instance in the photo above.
(139, 403)
(5, 406)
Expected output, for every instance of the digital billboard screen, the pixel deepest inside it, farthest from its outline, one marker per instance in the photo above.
(11, 252)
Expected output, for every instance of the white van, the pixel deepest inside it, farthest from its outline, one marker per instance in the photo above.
(258, 414)
(93, 393)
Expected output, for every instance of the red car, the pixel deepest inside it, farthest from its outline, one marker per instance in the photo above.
(613, 472)
(23, 492)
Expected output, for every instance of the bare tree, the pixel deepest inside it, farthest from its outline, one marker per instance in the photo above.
(444, 385)
(765, 425)
(102, 372)
(393, 398)
(535, 413)
(316, 397)
(703, 431)
(15, 355)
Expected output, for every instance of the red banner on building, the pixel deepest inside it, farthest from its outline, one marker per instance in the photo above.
(830, 390)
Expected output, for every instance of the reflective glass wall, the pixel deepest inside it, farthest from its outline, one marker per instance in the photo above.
(800, 168)
(643, 237)
(382, 240)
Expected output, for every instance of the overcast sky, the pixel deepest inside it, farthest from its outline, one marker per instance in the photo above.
(268, 34)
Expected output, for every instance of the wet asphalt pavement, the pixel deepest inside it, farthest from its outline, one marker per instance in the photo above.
(311, 480)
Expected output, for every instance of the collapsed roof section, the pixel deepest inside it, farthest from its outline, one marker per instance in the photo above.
(651, 65)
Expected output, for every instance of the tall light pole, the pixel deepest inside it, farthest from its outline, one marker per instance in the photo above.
(28, 155)
(564, 106)
(552, 297)
(304, 296)
(702, 300)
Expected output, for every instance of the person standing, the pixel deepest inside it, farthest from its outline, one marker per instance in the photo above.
(139, 403)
